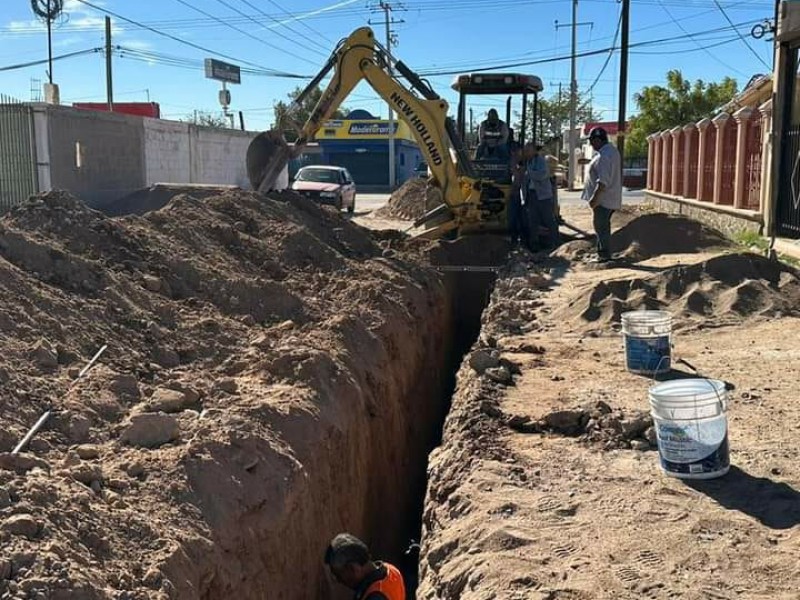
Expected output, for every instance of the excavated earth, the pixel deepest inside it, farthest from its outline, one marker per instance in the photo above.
(547, 484)
(274, 375)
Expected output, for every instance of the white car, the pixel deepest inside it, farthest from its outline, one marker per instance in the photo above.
(327, 185)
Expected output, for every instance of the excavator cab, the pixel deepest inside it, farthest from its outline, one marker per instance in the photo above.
(492, 161)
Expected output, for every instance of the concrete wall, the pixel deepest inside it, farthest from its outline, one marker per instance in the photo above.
(94, 155)
(103, 156)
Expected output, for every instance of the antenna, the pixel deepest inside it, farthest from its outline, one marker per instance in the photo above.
(48, 10)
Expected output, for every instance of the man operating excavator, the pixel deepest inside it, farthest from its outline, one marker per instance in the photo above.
(351, 565)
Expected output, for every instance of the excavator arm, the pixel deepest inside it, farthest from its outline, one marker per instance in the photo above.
(361, 58)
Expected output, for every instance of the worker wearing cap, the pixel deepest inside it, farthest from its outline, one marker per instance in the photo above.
(351, 565)
(603, 189)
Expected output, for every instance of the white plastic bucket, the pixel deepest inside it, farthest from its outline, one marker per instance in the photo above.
(647, 335)
(691, 422)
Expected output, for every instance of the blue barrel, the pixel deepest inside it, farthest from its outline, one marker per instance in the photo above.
(648, 343)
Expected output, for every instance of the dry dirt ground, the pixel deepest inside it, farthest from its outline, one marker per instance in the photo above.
(527, 501)
(259, 382)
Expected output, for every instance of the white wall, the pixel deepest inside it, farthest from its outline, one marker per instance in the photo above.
(218, 156)
(166, 151)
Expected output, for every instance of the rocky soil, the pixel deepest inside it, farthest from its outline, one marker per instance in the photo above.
(410, 201)
(547, 484)
(260, 393)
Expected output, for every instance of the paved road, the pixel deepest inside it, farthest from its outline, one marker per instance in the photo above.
(368, 202)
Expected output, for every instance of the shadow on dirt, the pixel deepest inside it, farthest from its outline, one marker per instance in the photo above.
(774, 504)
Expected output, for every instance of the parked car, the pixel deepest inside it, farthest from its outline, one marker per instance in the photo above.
(634, 179)
(327, 185)
(421, 171)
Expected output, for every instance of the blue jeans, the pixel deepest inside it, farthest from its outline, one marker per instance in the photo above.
(602, 227)
(541, 213)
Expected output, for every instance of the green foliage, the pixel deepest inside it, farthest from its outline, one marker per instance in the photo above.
(283, 120)
(555, 117)
(207, 119)
(679, 102)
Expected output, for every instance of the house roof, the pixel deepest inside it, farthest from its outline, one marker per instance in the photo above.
(611, 127)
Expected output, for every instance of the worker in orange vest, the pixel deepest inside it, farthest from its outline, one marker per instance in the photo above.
(351, 565)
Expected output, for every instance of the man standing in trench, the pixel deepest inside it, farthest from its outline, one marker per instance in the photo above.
(351, 565)
(603, 189)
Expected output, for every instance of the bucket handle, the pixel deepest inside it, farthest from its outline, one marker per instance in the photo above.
(722, 405)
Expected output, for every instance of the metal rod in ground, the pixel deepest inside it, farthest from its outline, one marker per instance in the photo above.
(43, 419)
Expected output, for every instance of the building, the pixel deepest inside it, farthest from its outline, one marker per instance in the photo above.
(360, 143)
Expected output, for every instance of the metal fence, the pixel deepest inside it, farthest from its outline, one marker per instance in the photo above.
(17, 153)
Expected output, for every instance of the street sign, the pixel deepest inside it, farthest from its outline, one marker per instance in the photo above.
(221, 71)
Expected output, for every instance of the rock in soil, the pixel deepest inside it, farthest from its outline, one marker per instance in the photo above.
(170, 401)
(23, 525)
(481, 360)
(151, 430)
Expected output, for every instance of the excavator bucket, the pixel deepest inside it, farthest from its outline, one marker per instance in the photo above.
(267, 157)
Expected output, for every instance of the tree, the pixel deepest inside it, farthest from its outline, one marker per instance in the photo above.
(555, 117)
(680, 102)
(207, 119)
(299, 116)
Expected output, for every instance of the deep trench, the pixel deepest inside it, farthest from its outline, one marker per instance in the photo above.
(468, 295)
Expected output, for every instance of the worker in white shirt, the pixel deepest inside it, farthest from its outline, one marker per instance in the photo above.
(603, 189)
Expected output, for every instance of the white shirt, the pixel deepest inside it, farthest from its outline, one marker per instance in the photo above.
(605, 168)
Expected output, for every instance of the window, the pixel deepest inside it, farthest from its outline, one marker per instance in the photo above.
(402, 159)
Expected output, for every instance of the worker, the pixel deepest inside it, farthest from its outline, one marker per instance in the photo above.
(352, 566)
(517, 225)
(493, 135)
(603, 189)
(539, 200)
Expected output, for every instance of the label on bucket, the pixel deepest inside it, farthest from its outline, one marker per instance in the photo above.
(647, 354)
(692, 448)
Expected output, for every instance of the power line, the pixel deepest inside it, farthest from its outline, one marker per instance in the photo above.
(724, 64)
(661, 41)
(608, 58)
(239, 30)
(179, 40)
(44, 61)
(278, 33)
(741, 37)
(292, 17)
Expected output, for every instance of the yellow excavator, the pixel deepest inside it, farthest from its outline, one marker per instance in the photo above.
(474, 193)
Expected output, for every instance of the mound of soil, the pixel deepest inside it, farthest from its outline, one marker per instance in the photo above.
(157, 196)
(410, 201)
(651, 235)
(259, 370)
(726, 287)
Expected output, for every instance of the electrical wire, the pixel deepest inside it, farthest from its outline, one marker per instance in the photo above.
(681, 27)
(176, 39)
(661, 41)
(44, 61)
(608, 58)
(290, 28)
(242, 31)
(741, 37)
(278, 33)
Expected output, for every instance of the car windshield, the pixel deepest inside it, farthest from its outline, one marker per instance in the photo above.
(318, 175)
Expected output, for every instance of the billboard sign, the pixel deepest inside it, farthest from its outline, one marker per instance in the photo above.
(221, 71)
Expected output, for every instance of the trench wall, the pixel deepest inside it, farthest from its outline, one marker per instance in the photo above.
(352, 457)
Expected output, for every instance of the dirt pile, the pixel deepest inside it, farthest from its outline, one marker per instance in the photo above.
(410, 201)
(259, 375)
(649, 235)
(598, 425)
(725, 288)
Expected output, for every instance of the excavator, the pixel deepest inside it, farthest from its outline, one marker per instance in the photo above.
(474, 193)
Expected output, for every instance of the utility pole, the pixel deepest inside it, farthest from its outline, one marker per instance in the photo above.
(109, 80)
(49, 44)
(623, 81)
(388, 21)
(572, 163)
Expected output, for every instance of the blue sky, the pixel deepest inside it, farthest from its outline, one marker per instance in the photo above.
(294, 36)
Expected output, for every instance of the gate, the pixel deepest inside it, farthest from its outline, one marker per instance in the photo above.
(17, 153)
(788, 208)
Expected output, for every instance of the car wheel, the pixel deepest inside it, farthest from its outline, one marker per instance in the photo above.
(352, 208)
(338, 202)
